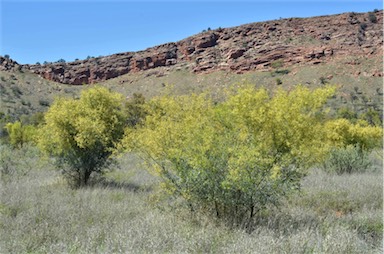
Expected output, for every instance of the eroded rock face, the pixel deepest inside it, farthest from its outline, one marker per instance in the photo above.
(7, 64)
(248, 47)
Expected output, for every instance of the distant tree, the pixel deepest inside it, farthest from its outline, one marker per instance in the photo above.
(82, 133)
(45, 62)
(6, 56)
(38, 63)
(61, 60)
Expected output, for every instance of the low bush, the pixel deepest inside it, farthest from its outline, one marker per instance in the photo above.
(349, 159)
(372, 17)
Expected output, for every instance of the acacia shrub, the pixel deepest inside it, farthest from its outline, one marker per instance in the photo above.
(350, 145)
(82, 133)
(235, 158)
(20, 134)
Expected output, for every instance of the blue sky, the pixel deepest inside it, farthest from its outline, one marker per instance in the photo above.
(38, 31)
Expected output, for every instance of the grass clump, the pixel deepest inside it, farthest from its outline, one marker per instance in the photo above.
(349, 159)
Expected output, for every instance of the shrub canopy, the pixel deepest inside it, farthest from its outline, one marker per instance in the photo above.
(83, 133)
(236, 157)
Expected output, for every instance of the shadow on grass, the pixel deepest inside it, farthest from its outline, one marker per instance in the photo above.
(111, 184)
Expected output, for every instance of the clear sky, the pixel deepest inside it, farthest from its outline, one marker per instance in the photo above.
(38, 31)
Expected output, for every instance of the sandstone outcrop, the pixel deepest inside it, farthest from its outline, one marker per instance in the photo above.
(248, 47)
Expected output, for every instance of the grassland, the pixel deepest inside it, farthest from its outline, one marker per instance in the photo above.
(126, 213)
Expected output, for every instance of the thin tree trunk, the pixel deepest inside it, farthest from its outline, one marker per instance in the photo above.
(217, 210)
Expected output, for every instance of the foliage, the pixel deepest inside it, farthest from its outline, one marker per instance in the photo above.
(135, 111)
(347, 113)
(341, 133)
(20, 134)
(277, 64)
(373, 117)
(237, 157)
(4, 119)
(372, 17)
(83, 133)
(349, 159)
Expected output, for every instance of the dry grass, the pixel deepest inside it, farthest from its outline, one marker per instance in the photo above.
(40, 214)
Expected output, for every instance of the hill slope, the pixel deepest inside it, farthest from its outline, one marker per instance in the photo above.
(256, 46)
(336, 49)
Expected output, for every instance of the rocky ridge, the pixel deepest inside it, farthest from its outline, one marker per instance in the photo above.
(255, 46)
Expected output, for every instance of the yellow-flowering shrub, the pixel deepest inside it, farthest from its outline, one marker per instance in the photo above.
(20, 134)
(349, 145)
(236, 157)
(83, 133)
(341, 133)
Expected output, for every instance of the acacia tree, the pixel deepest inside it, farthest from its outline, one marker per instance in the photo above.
(82, 133)
(237, 157)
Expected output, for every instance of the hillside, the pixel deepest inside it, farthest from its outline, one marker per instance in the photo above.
(344, 49)
(248, 47)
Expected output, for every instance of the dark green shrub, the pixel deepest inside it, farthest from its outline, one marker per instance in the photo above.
(16, 91)
(44, 103)
(372, 17)
(363, 26)
(373, 117)
(277, 64)
(282, 72)
(349, 159)
(323, 80)
(347, 113)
